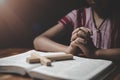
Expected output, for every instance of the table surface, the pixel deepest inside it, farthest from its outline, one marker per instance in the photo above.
(14, 51)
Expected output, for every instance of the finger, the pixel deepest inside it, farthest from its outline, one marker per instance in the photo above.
(75, 31)
(73, 44)
(82, 34)
(84, 49)
(86, 30)
(90, 31)
(79, 33)
(81, 41)
(74, 36)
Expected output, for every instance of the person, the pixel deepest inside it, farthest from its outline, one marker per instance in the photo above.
(96, 31)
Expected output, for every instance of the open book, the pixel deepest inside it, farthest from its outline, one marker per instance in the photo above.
(77, 69)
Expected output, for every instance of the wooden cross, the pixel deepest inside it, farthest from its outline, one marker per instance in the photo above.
(47, 60)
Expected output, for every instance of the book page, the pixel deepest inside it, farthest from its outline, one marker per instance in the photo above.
(17, 63)
(77, 69)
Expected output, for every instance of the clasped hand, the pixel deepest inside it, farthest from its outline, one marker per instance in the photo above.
(81, 38)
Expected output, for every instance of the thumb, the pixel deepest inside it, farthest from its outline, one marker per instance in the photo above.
(84, 49)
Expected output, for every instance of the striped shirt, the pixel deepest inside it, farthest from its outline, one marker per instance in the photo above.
(101, 37)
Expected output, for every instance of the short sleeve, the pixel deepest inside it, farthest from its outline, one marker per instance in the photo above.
(70, 18)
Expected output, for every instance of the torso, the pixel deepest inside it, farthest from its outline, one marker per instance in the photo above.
(102, 26)
(101, 29)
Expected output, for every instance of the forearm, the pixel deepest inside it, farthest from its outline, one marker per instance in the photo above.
(111, 54)
(45, 44)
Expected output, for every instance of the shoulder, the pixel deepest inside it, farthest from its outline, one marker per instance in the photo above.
(73, 12)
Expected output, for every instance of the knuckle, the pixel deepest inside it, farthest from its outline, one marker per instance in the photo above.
(81, 40)
(86, 31)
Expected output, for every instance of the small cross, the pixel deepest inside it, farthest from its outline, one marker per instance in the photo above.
(47, 60)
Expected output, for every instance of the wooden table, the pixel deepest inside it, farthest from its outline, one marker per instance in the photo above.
(14, 51)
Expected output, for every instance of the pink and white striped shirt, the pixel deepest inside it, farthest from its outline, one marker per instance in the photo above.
(101, 37)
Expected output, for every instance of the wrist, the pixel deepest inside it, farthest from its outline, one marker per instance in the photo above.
(71, 50)
(98, 53)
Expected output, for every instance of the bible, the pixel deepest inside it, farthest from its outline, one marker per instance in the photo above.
(78, 68)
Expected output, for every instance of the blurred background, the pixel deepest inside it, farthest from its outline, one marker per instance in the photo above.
(22, 20)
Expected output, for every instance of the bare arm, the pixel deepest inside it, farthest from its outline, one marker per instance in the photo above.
(112, 54)
(44, 42)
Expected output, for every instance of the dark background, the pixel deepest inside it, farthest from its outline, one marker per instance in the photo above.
(19, 19)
